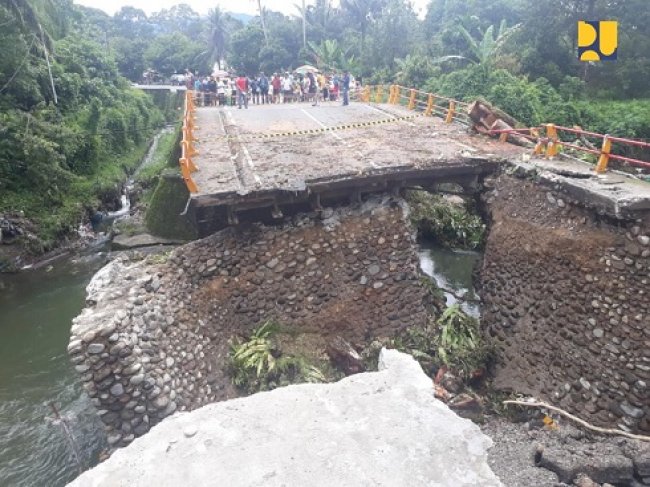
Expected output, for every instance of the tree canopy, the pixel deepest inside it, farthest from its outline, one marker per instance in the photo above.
(68, 116)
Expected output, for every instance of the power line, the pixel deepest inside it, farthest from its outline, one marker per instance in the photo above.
(19, 68)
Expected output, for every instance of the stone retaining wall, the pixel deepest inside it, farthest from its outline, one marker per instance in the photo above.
(154, 337)
(566, 297)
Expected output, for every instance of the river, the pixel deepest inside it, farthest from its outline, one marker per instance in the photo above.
(452, 270)
(36, 310)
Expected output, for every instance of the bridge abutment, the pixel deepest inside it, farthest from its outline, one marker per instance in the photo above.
(565, 293)
(154, 338)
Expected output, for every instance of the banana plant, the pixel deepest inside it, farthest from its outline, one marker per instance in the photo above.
(329, 55)
(484, 50)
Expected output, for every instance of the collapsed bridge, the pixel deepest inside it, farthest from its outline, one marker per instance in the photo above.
(277, 157)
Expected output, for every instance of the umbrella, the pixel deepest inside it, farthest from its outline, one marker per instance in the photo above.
(306, 68)
(220, 73)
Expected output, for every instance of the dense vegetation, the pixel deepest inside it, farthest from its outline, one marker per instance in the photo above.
(519, 54)
(70, 124)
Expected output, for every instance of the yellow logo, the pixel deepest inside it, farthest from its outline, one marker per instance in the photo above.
(597, 40)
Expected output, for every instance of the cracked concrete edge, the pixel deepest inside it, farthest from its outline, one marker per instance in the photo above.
(616, 196)
(312, 434)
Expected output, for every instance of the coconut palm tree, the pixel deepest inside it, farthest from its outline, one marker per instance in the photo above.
(218, 35)
(303, 16)
(362, 12)
(263, 22)
(303, 11)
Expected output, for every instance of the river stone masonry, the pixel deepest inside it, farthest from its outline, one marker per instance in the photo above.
(154, 336)
(565, 295)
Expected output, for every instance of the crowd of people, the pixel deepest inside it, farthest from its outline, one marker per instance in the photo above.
(311, 87)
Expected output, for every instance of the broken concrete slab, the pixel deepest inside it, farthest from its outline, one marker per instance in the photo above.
(383, 428)
(612, 194)
(126, 242)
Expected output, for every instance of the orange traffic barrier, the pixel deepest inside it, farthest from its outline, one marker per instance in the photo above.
(414, 99)
(188, 151)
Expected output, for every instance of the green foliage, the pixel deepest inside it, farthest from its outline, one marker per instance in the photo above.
(329, 55)
(454, 341)
(255, 354)
(164, 215)
(245, 46)
(484, 50)
(421, 343)
(459, 343)
(450, 225)
(174, 52)
(415, 70)
(257, 364)
(58, 162)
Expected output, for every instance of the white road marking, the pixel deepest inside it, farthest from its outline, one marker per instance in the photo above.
(247, 155)
(322, 125)
(359, 154)
(389, 114)
(233, 159)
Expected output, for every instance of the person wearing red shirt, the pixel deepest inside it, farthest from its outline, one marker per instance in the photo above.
(276, 82)
(242, 91)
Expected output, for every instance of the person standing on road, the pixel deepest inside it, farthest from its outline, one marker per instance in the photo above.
(221, 91)
(212, 88)
(345, 88)
(264, 88)
(255, 89)
(312, 89)
(198, 96)
(323, 85)
(287, 88)
(242, 91)
(277, 86)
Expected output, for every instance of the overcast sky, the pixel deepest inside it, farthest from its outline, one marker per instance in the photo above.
(287, 7)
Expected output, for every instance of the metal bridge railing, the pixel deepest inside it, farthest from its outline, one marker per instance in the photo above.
(187, 143)
(548, 138)
(550, 143)
(430, 104)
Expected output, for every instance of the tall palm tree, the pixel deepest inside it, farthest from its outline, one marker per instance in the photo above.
(304, 25)
(261, 11)
(303, 16)
(362, 13)
(218, 35)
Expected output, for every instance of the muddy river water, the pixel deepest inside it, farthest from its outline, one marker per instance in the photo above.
(36, 309)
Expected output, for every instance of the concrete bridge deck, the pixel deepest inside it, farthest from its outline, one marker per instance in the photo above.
(253, 158)
(295, 155)
(245, 164)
